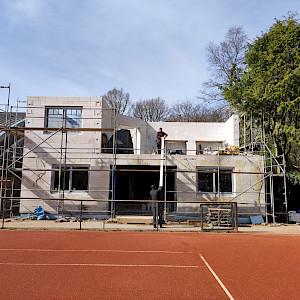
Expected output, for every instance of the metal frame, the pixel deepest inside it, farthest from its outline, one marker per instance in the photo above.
(231, 219)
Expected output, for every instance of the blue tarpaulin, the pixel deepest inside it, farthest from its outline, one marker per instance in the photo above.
(244, 220)
(257, 219)
(40, 213)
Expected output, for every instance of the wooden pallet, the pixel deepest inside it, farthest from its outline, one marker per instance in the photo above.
(147, 220)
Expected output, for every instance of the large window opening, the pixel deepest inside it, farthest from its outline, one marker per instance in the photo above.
(68, 117)
(70, 178)
(207, 180)
(134, 183)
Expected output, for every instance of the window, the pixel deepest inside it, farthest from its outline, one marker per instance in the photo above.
(72, 178)
(207, 180)
(57, 117)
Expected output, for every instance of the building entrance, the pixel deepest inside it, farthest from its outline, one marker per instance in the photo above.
(134, 183)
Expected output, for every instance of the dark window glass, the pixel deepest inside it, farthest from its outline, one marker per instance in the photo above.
(208, 182)
(205, 182)
(80, 179)
(64, 177)
(71, 179)
(225, 183)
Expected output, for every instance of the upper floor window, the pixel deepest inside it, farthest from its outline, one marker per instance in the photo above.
(68, 117)
(207, 180)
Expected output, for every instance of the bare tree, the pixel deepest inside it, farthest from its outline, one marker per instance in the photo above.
(150, 110)
(118, 99)
(225, 65)
(189, 111)
(185, 112)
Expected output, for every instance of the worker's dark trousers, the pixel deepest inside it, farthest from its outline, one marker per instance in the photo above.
(158, 147)
(159, 215)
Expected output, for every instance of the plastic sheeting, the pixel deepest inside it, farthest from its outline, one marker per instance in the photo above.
(40, 213)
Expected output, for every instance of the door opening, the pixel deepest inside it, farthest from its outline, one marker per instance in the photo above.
(134, 183)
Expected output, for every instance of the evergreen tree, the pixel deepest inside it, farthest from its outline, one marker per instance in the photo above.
(270, 86)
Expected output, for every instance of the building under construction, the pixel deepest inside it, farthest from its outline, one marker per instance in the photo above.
(74, 154)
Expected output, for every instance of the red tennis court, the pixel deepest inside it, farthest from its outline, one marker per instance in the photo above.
(148, 265)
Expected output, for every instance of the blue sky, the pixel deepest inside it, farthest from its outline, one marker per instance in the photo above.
(150, 48)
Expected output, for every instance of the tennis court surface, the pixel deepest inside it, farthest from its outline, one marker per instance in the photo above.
(148, 265)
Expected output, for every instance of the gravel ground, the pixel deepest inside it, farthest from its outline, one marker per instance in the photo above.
(291, 229)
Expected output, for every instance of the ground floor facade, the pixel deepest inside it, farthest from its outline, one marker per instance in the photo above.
(102, 178)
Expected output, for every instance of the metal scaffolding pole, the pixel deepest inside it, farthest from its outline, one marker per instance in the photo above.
(272, 193)
(14, 156)
(4, 174)
(59, 168)
(162, 156)
(165, 185)
(285, 191)
(113, 174)
(218, 184)
(64, 178)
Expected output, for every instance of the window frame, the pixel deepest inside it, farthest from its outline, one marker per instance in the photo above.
(70, 183)
(214, 172)
(64, 116)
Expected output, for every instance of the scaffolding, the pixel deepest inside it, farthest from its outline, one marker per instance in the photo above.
(15, 169)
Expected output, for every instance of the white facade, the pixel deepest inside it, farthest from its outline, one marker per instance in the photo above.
(191, 147)
(185, 136)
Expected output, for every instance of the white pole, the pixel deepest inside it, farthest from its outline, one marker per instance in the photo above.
(161, 173)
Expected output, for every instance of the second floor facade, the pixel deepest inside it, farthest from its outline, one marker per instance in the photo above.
(91, 125)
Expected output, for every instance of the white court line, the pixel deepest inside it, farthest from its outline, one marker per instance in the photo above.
(217, 278)
(95, 250)
(98, 265)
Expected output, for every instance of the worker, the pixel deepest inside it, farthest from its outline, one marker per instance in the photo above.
(159, 135)
(157, 195)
